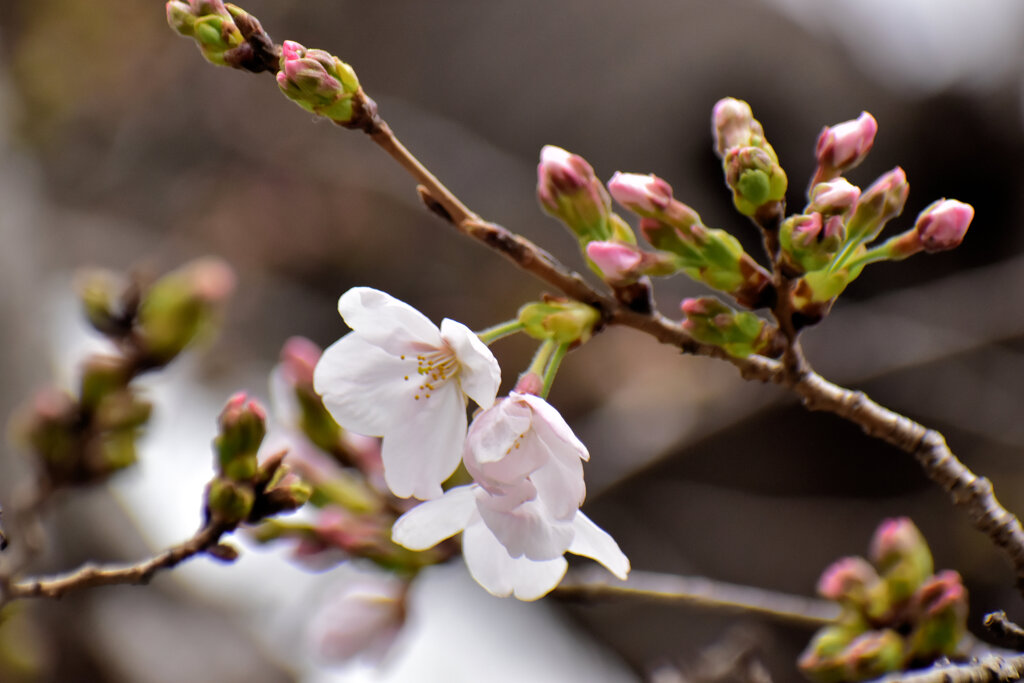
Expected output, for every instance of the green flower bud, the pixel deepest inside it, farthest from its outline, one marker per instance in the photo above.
(242, 428)
(564, 321)
(940, 608)
(754, 177)
(821, 660)
(873, 654)
(319, 82)
(902, 557)
(568, 189)
(740, 334)
(229, 501)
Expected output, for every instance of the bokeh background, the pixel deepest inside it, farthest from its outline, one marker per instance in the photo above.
(121, 147)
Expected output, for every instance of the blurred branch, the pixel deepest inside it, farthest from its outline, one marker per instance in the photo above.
(990, 668)
(1001, 626)
(90, 576)
(699, 592)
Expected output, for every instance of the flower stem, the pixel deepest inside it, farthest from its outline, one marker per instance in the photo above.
(499, 331)
(879, 253)
(541, 357)
(552, 368)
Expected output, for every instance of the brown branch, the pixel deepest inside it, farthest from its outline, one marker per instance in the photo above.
(89, 576)
(699, 592)
(984, 670)
(1001, 627)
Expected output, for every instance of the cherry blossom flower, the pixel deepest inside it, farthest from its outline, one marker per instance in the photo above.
(522, 514)
(398, 376)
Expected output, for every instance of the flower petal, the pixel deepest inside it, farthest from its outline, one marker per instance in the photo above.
(386, 322)
(500, 574)
(480, 374)
(361, 384)
(552, 428)
(560, 485)
(527, 530)
(594, 542)
(423, 445)
(433, 521)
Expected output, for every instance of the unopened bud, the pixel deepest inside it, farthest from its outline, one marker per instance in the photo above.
(940, 608)
(877, 205)
(318, 82)
(733, 125)
(754, 177)
(210, 23)
(100, 292)
(848, 580)
(101, 377)
(641, 194)
(821, 660)
(242, 428)
(833, 198)
(229, 501)
(568, 189)
(844, 146)
(873, 654)
(740, 334)
(943, 224)
(563, 321)
(809, 243)
(902, 557)
(625, 263)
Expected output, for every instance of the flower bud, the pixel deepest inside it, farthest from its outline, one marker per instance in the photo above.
(873, 654)
(209, 23)
(833, 198)
(740, 334)
(318, 82)
(943, 224)
(100, 292)
(229, 501)
(848, 581)
(296, 402)
(181, 306)
(287, 494)
(101, 377)
(242, 428)
(902, 557)
(568, 189)
(641, 194)
(940, 609)
(625, 263)
(843, 146)
(754, 177)
(877, 205)
(563, 321)
(733, 125)
(808, 243)
(821, 660)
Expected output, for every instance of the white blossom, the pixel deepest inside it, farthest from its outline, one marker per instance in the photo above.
(398, 376)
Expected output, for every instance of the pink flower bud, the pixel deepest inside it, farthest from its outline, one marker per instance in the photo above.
(834, 197)
(617, 261)
(943, 224)
(569, 190)
(878, 204)
(213, 280)
(642, 194)
(806, 229)
(897, 541)
(299, 357)
(843, 146)
(733, 124)
(847, 580)
(943, 591)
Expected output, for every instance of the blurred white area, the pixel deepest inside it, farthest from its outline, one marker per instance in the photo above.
(455, 632)
(922, 46)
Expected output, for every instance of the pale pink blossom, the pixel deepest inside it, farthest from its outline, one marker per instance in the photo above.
(943, 224)
(398, 376)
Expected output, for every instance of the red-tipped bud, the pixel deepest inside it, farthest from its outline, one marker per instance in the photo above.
(642, 194)
(873, 654)
(299, 357)
(943, 224)
(843, 146)
(617, 262)
(940, 610)
(242, 428)
(877, 205)
(833, 198)
(847, 580)
(318, 82)
(568, 189)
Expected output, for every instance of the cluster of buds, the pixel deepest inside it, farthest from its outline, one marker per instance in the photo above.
(225, 34)
(245, 490)
(561, 320)
(738, 333)
(895, 614)
(84, 436)
(322, 84)
(751, 167)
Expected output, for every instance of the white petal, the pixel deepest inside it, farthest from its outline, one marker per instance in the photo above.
(386, 322)
(552, 428)
(501, 575)
(480, 374)
(433, 521)
(361, 385)
(559, 484)
(500, 447)
(594, 542)
(528, 530)
(423, 445)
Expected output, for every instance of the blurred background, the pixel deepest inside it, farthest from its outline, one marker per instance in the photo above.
(121, 147)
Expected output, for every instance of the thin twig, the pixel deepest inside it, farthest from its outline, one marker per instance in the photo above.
(700, 592)
(1001, 626)
(984, 670)
(89, 576)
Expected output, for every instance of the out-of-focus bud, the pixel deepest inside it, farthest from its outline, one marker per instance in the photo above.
(733, 125)
(568, 189)
(229, 501)
(101, 292)
(181, 306)
(833, 198)
(940, 612)
(625, 263)
(902, 557)
(101, 377)
(809, 243)
(844, 146)
(319, 82)
(740, 334)
(362, 619)
(821, 659)
(210, 23)
(878, 204)
(287, 494)
(564, 321)
(243, 424)
(943, 224)
(297, 403)
(754, 177)
(848, 581)
(873, 654)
